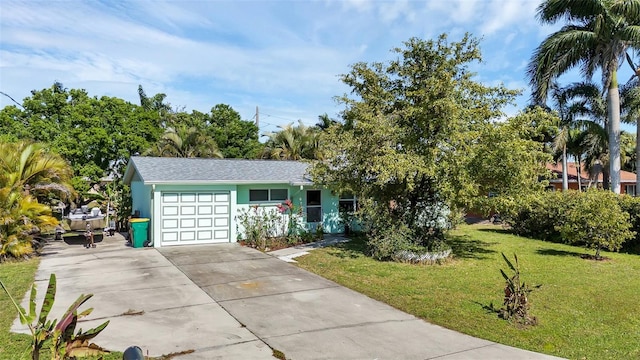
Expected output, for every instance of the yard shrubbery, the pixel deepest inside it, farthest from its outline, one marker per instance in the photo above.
(596, 219)
(271, 228)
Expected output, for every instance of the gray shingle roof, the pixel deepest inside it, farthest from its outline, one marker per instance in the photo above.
(158, 170)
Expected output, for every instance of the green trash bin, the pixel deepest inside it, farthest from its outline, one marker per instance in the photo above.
(140, 229)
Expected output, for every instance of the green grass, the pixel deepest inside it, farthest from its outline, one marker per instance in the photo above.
(18, 277)
(585, 309)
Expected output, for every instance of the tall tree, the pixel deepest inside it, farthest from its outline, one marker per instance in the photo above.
(595, 37)
(293, 143)
(415, 123)
(631, 110)
(235, 137)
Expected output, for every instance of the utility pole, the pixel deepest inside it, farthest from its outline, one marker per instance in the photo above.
(257, 118)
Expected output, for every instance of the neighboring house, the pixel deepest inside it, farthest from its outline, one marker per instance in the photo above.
(196, 201)
(587, 180)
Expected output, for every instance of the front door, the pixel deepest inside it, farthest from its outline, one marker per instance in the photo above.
(314, 206)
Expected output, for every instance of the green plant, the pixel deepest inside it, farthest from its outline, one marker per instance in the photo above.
(597, 221)
(64, 344)
(516, 302)
(258, 225)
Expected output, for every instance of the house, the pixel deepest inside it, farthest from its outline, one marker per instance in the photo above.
(196, 201)
(594, 179)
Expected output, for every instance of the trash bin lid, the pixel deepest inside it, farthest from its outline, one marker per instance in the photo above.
(139, 220)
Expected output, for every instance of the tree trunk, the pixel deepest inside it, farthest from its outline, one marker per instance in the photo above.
(579, 173)
(565, 169)
(613, 107)
(637, 157)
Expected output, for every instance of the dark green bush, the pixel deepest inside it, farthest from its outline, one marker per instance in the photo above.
(631, 205)
(596, 218)
(385, 242)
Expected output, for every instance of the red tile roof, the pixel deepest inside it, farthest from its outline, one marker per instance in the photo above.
(572, 172)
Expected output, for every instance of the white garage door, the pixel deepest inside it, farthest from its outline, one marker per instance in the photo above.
(194, 217)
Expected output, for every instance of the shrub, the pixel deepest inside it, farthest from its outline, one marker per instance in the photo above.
(594, 218)
(261, 227)
(384, 242)
(631, 205)
(597, 221)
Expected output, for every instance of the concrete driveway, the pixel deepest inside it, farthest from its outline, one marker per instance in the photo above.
(229, 302)
(308, 317)
(168, 312)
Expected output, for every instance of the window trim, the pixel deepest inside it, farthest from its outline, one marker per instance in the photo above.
(269, 196)
(633, 186)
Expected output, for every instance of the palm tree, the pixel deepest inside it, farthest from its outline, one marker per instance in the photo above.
(30, 167)
(26, 170)
(293, 143)
(596, 36)
(185, 142)
(589, 111)
(561, 103)
(631, 110)
(21, 216)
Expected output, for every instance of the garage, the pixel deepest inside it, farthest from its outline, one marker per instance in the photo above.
(192, 201)
(194, 217)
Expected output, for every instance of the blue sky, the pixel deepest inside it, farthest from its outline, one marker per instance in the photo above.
(283, 56)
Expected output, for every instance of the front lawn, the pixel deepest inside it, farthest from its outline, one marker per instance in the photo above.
(585, 309)
(18, 277)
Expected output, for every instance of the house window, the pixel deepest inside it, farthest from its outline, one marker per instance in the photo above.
(630, 190)
(314, 206)
(347, 203)
(268, 195)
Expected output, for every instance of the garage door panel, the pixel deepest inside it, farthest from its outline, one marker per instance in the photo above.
(205, 235)
(170, 236)
(170, 210)
(221, 222)
(195, 217)
(188, 223)
(170, 198)
(169, 223)
(187, 210)
(222, 209)
(205, 210)
(222, 198)
(188, 197)
(187, 235)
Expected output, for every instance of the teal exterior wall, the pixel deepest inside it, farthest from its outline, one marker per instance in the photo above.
(297, 195)
(141, 197)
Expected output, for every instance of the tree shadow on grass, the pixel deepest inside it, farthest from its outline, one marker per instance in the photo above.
(466, 248)
(497, 230)
(354, 248)
(554, 252)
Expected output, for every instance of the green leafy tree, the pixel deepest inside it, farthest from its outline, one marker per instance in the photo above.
(414, 126)
(509, 157)
(597, 221)
(235, 137)
(595, 37)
